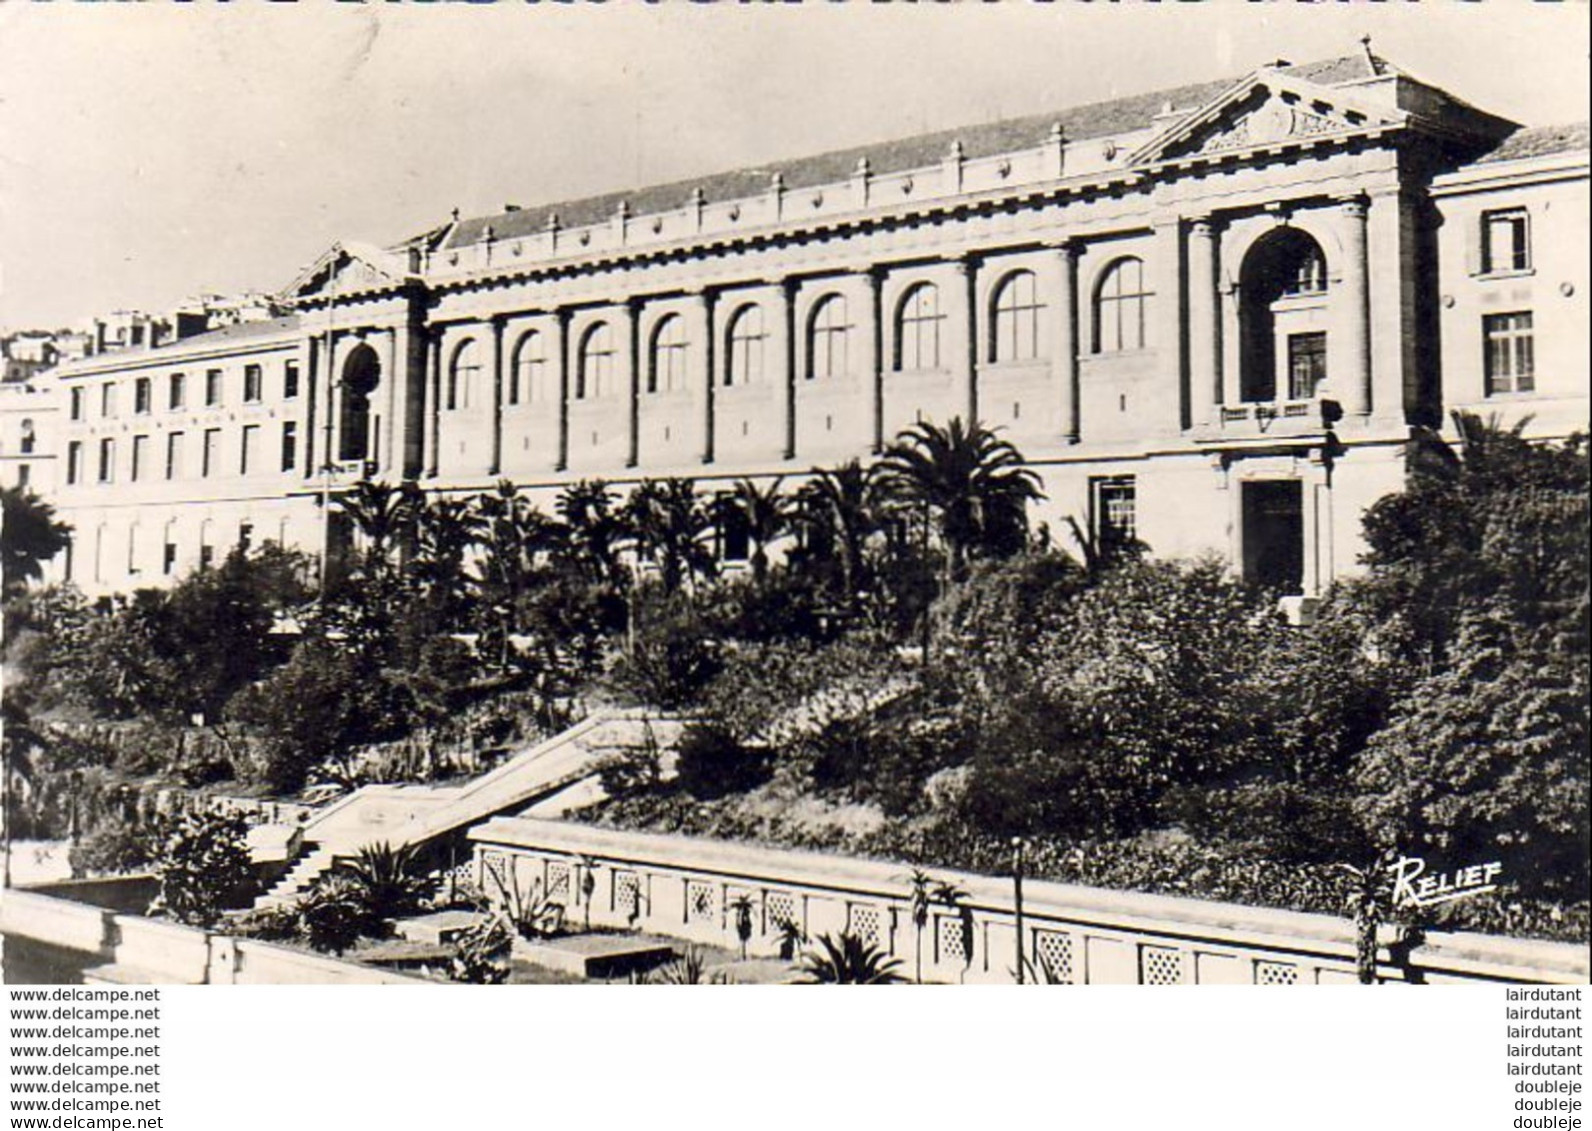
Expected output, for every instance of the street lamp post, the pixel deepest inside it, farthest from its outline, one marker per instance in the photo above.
(1018, 845)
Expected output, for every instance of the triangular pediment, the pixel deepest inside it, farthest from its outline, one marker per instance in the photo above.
(346, 268)
(1267, 108)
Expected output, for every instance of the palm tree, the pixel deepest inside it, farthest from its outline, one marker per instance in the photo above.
(765, 514)
(384, 515)
(29, 537)
(594, 527)
(969, 481)
(446, 530)
(921, 899)
(670, 527)
(514, 534)
(841, 508)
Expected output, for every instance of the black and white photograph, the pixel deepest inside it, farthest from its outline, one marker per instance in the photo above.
(778, 494)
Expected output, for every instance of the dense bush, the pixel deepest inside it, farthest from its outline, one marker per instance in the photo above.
(712, 762)
(202, 865)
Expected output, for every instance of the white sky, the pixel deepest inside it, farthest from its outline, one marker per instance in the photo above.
(152, 151)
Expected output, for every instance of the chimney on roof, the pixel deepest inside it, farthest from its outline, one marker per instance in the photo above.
(1370, 59)
(699, 201)
(1058, 149)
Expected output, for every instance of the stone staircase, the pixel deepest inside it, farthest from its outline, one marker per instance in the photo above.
(560, 769)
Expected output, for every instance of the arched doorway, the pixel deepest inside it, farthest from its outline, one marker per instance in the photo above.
(1282, 318)
(361, 375)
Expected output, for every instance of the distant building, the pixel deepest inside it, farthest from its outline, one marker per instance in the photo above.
(28, 446)
(1209, 316)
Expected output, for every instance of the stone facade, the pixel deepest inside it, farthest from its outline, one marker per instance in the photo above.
(1208, 316)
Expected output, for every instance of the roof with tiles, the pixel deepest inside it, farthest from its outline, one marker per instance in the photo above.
(1538, 141)
(1096, 119)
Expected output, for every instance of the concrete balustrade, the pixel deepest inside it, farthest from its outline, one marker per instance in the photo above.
(687, 888)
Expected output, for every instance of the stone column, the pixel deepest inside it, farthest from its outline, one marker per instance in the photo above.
(788, 363)
(434, 405)
(1204, 329)
(1064, 363)
(330, 400)
(702, 315)
(873, 353)
(963, 321)
(561, 353)
(1350, 356)
(388, 432)
(634, 359)
(313, 380)
(495, 355)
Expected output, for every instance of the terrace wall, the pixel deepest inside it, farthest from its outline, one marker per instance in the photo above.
(686, 888)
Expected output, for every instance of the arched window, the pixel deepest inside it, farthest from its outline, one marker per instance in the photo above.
(595, 374)
(528, 374)
(1014, 321)
(826, 339)
(1121, 304)
(745, 362)
(1281, 350)
(361, 375)
(666, 359)
(917, 343)
(29, 439)
(462, 376)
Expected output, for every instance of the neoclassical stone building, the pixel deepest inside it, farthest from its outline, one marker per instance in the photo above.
(1208, 316)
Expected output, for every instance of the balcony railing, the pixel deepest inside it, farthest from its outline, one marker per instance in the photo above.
(1272, 416)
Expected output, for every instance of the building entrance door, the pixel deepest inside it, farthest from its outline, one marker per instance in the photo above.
(1274, 535)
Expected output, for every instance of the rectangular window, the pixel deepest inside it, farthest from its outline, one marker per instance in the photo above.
(140, 458)
(107, 459)
(1505, 241)
(168, 559)
(1307, 364)
(107, 400)
(289, 445)
(207, 557)
(1509, 353)
(177, 393)
(290, 380)
(143, 395)
(1113, 512)
(251, 439)
(212, 388)
(253, 383)
(173, 455)
(24, 475)
(74, 461)
(245, 535)
(211, 453)
(77, 404)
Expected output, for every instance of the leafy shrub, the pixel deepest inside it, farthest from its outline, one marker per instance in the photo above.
(712, 762)
(481, 953)
(334, 914)
(115, 846)
(848, 960)
(202, 864)
(673, 656)
(276, 923)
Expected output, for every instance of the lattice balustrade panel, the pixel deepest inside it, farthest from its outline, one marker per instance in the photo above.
(1053, 956)
(558, 881)
(494, 872)
(1160, 966)
(779, 908)
(1276, 974)
(627, 894)
(866, 922)
(950, 939)
(701, 902)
